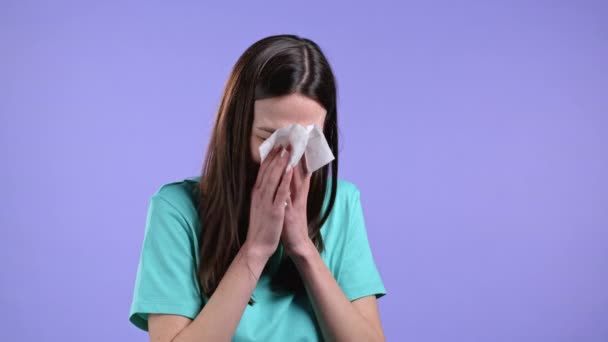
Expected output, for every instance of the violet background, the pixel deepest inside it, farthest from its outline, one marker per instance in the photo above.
(475, 130)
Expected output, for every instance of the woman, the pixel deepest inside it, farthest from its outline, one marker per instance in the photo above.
(261, 252)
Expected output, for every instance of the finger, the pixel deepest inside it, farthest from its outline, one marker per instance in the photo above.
(275, 158)
(301, 183)
(264, 166)
(304, 168)
(283, 190)
(274, 173)
(298, 176)
(306, 182)
(287, 203)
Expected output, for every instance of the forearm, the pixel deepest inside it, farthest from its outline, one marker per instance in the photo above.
(338, 318)
(220, 316)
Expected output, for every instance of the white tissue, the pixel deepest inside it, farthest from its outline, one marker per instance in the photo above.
(308, 141)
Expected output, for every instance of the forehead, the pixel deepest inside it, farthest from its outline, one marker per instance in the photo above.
(280, 111)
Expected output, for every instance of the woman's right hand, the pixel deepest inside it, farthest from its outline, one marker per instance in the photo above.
(268, 197)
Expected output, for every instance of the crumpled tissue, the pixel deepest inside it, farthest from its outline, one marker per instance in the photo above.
(308, 141)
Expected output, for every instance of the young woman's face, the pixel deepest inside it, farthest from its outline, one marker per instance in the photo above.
(276, 112)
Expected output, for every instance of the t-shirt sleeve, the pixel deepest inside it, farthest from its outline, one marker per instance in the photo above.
(166, 275)
(358, 275)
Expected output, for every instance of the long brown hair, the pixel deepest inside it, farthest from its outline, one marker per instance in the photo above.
(273, 66)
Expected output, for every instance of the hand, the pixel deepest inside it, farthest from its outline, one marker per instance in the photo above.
(295, 226)
(268, 197)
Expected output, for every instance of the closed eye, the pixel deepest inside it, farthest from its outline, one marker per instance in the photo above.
(267, 129)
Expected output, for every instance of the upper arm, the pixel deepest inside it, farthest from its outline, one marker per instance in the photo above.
(164, 328)
(166, 281)
(368, 308)
(357, 273)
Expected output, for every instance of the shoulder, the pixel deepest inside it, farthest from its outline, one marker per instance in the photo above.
(347, 192)
(178, 191)
(347, 196)
(344, 222)
(347, 188)
(179, 195)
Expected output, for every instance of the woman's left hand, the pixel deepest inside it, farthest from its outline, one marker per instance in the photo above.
(294, 236)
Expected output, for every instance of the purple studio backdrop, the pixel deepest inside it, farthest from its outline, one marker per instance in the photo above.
(475, 130)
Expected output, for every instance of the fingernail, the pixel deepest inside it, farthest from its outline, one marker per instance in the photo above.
(288, 168)
(282, 152)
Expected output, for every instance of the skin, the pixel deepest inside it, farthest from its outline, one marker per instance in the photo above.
(270, 114)
(270, 222)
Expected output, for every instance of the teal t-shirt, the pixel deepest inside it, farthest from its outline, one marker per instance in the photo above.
(166, 279)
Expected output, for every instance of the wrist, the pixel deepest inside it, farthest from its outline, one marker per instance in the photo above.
(254, 256)
(302, 251)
